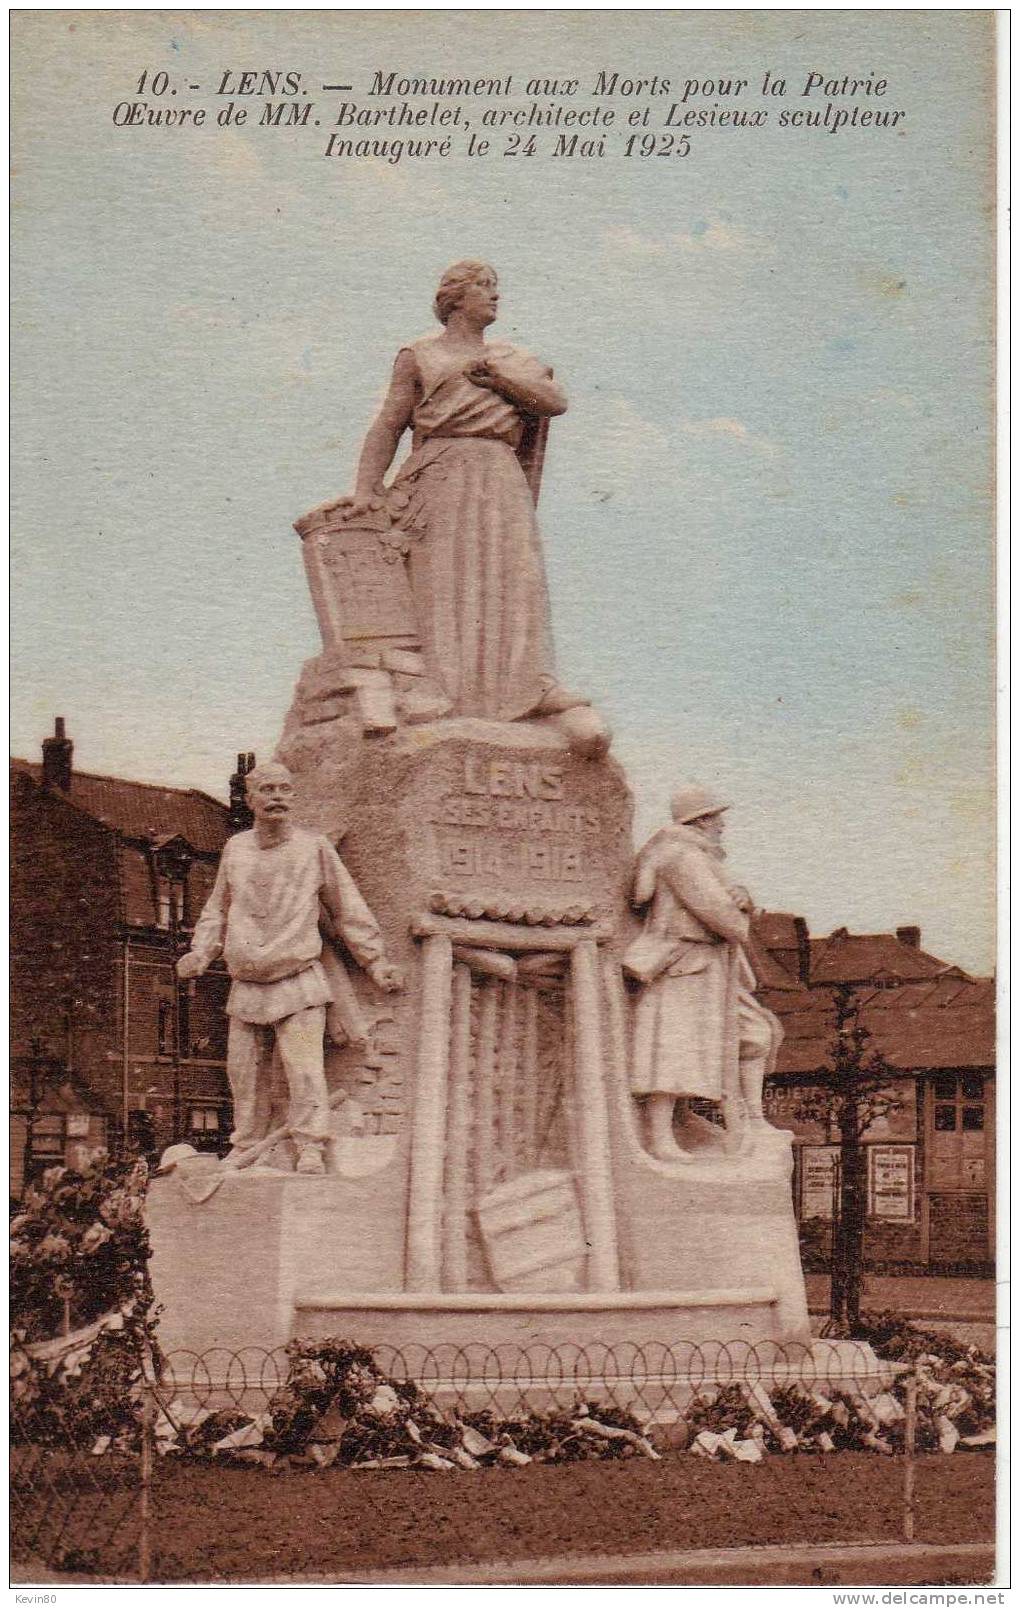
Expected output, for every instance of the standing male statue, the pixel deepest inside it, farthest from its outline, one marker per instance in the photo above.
(698, 1030)
(263, 916)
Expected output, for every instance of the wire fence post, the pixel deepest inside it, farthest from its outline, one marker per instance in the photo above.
(145, 1481)
(909, 1445)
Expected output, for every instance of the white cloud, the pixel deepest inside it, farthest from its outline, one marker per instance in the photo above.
(625, 453)
(622, 449)
(716, 238)
(896, 399)
(621, 240)
(233, 178)
(727, 429)
(713, 239)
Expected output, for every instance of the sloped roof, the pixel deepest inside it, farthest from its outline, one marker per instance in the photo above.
(775, 929)
(770, 971)
(861, 957)
(143, 810)
(949, 1022)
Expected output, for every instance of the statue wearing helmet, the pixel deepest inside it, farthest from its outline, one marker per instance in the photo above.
(698, 1030)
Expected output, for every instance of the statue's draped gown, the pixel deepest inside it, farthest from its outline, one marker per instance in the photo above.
(475, 559)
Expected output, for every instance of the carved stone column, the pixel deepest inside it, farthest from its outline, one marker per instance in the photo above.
(428, 1130)
(596, 1175)
(458, 1130)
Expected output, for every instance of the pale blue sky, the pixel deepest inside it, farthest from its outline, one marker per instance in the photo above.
(766, 515)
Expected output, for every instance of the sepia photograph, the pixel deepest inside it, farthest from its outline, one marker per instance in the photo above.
(503, 799)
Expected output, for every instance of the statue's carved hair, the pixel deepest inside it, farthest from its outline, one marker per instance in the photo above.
(271, 767)
(453, 284)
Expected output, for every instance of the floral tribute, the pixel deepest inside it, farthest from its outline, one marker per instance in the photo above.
(80, 1304)
(955, 1404)
(337, 1408)
(83, 1340)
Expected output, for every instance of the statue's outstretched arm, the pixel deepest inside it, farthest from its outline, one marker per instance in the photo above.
(383, 438)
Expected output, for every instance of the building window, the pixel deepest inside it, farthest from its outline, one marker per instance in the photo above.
(184, 1023)
(170, 897)
(959, 1104)
(958, 1141)
(205, 1119)
(48, 1135)
(165, 1028)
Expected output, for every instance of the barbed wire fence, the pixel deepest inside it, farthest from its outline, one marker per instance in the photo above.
(88, 1504)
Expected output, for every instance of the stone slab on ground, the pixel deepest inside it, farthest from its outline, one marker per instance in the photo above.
(470, 1337)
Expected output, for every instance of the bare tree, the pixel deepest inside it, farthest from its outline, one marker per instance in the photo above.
(854, 1094)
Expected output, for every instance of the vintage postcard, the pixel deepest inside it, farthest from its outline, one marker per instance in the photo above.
(503, 793)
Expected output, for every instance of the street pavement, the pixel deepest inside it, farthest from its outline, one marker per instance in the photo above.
(818, 1564)
(963, 1299)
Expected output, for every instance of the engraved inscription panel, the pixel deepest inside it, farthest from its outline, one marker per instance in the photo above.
(519, 826)
(373, 591)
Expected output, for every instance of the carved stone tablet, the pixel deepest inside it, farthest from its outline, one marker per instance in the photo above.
(359, 588)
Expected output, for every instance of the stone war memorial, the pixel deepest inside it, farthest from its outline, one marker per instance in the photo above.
(496, 1077)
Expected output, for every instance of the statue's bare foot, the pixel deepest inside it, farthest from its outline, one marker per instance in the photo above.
(584, 729)
(582, 726)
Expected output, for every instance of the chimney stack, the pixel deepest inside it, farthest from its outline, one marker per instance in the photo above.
(911, 936)
(800, 927)
(57, 753)
(240, 816)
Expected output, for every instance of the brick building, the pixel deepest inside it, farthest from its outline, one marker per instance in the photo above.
(931, 1163)
(107, 877)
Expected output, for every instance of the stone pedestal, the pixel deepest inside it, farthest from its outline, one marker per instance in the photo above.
(491, 1184)
(227, 1269)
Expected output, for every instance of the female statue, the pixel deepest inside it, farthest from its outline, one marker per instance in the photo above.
(463, 502)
